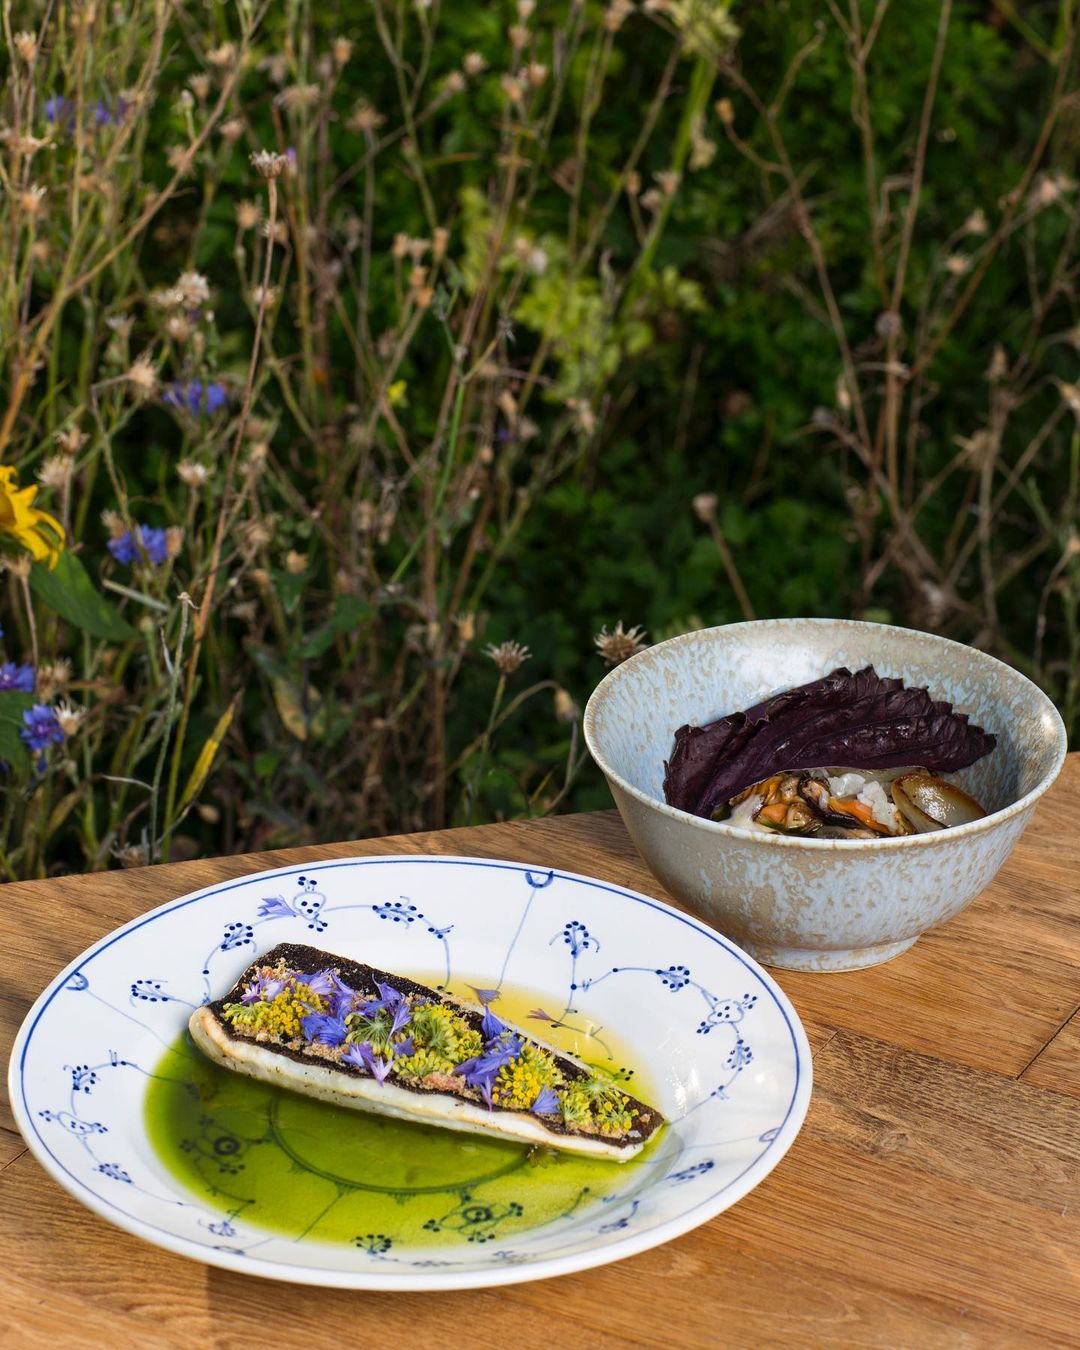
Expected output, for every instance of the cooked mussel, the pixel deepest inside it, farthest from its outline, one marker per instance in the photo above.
(849, 814)
(930, 803)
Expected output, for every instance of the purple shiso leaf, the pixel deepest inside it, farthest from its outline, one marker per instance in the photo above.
(547, 1102)
(859, 721)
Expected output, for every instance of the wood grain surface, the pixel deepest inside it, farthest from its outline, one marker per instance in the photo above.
(931, 1199)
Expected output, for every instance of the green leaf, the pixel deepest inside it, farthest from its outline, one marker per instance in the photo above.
(69, 591)
(348, 612)
(13, 703)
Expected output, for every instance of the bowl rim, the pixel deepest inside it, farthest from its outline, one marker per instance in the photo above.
(725, 830)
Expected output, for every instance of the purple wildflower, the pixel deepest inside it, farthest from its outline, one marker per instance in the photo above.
(17, 677)
(59, 109)
(479, 1071)
(125, 549)
(322, 983)
(389, 1000)
(41, 730)
(491, 1027)
(402, 1013)
(326, 1030)
(342, 998)
(405, 1047)
(194, 398)
(105, 116)
(539, 1015)
(547, 1102)
(364, 1057)
(262, 987)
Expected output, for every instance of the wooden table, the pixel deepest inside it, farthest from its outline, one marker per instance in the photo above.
(931, 1198)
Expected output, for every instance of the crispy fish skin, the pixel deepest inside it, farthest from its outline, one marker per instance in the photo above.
(343, 1085)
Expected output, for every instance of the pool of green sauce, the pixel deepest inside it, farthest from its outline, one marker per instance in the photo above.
(306, 1169)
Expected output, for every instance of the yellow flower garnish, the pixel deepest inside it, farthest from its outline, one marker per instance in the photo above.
(35, 530)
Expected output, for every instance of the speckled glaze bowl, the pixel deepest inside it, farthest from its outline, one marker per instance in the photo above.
(818, 904)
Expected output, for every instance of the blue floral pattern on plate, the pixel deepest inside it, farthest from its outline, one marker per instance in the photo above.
(605, 957)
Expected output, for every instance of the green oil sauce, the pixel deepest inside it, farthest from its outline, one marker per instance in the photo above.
(302, 1168)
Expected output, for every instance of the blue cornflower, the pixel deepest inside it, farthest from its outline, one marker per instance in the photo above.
(194, 398)
(41, 730)
(105, 116)
(364, 1057)
(405, 1047)
(326, 1030)
(17, 677)
(125, 549)
(59, 109)
(547, 1102)
(479, 1071)
(322, 983)
(342, 998)
(262, 987)
(389, 1000)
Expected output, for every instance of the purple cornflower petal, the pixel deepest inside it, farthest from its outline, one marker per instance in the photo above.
(194, 398)
(17, 677)
(322, 983)
(479, 1071)
(342, 998)
(272, 988)
(326, 1030)
(485, 996)
(216, 398)
(263, 986)
(539, 1015)
(59, 109)
(364, 1057)
(547, 1102)
(405, 1047)
(491, 1027)
(389, 1000)
(402, 1014)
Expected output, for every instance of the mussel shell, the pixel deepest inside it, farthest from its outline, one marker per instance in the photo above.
(930, 803)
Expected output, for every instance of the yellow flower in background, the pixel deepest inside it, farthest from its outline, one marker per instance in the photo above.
(35, 530)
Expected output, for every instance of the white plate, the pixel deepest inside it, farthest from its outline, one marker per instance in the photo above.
(713, 1035)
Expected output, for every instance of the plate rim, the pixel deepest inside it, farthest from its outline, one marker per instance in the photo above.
(414, 1281)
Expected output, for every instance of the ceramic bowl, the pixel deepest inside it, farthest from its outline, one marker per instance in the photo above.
(818, 904)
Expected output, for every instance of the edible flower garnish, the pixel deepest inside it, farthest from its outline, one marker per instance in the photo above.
(365, 1057)
(324, 1029)
(547, 1102)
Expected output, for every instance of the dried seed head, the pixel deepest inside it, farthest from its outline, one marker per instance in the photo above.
(342, 50)
(178, 327)
(26, 45)
(71, 440)
(518, 35)
(976, 223)
(619, 645)
(232, 129)
(455, 83)
(525, 9)
(132, 855)
(537, 73)
(174, 541)
(268, 164)
(999, 365)
(193, 288)
(200, 86)
(295, 563)
(956, 264)
(69, 717)
(725, 110)
(439, 239)
(365, 117)
(508, 656)
(31, 199)
(192, 474)
(512, 88)
(298, 97)
(53, 679)
(55, 471)
(888, 324)
(466, 627)
(704, 505)
(222, 57)
(668, 182)
(566, 710)
(142, 376)
(248, 214)
(618, 11)
(474, 64)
